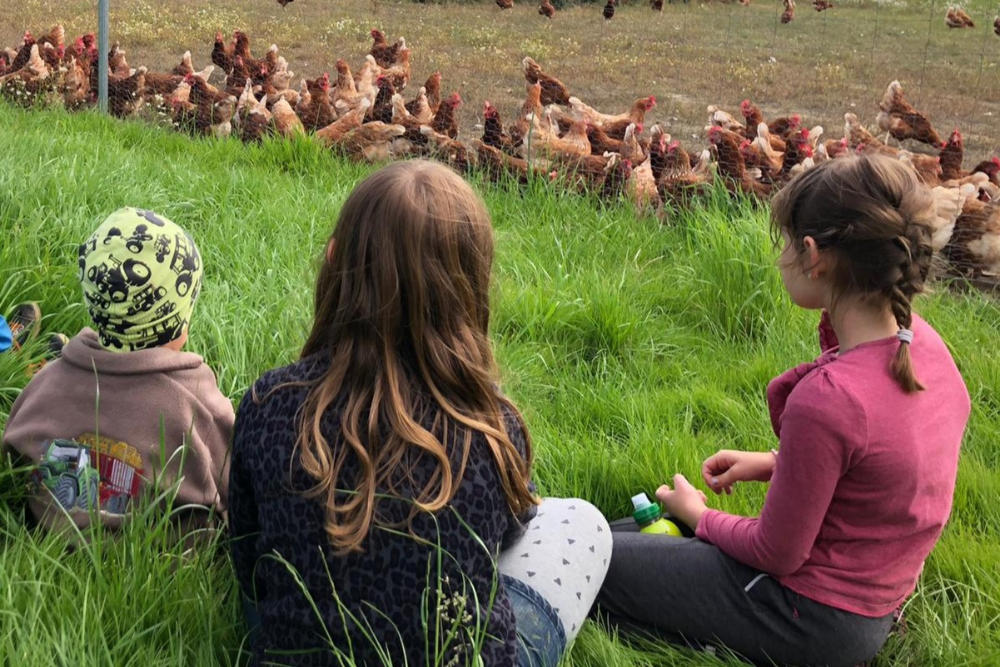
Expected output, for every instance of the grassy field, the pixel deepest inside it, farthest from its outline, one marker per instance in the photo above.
(689, 56)
(634, 349)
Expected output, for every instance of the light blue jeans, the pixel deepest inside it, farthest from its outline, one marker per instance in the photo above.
(6, 337)
(541, 639)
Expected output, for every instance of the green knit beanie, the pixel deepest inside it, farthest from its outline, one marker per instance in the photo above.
(141, 275)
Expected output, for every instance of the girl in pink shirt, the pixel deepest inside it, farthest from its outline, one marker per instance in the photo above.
(869, 436)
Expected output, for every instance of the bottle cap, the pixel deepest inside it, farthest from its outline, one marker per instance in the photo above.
(639, 501)
(645, 511)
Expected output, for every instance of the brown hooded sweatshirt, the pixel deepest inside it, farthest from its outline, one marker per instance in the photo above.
(119, 422)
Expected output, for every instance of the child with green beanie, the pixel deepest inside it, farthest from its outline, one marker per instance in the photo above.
(125, 411)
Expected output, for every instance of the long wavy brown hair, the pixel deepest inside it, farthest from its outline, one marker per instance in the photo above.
(403, 309)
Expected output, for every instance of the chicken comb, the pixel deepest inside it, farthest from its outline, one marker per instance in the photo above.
(996, 161)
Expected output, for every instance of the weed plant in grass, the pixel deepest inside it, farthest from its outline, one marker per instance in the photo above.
(635, 350)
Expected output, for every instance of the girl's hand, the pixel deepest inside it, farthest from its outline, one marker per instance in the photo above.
(683, 501)
(721, 471)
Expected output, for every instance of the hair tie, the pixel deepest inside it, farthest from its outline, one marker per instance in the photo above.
(905, 336)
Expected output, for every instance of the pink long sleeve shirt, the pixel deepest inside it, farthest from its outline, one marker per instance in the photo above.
(864, 481)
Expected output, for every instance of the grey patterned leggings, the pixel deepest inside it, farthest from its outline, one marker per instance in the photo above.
(563, 557)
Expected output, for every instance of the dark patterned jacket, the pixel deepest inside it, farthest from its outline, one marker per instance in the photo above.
(385, 592)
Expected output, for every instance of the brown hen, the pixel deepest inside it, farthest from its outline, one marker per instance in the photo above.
(902, 121)
(553, 90)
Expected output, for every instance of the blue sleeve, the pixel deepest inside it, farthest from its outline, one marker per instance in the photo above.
(6, 338)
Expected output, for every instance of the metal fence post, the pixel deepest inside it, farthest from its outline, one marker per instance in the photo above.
(103, 24)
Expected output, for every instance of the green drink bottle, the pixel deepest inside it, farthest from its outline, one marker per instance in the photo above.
(647, 515)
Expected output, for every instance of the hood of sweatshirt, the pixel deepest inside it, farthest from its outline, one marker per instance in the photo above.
(85, 351)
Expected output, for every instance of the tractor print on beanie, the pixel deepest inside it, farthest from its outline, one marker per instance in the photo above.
(141, 275)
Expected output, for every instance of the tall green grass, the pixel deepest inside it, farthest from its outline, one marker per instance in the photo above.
(635, 349)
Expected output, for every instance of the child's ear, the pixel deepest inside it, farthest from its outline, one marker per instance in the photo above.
(814, 258)
(329, 251)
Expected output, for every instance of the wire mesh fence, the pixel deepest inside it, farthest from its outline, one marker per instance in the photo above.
(704, 62)
(690, 55)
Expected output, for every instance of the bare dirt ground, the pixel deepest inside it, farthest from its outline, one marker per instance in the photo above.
(690, 55)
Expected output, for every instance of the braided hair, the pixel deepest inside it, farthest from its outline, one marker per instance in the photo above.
(874, 214)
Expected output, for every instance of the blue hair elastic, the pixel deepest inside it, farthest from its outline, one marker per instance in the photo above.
(905, 336)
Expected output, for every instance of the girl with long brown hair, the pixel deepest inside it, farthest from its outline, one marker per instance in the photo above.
(869, 437)
(377, 482)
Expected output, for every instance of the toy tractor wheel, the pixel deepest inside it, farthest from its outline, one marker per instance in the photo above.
(89, 499)
(66, 492)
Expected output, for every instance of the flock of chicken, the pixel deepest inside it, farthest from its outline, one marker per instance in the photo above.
(955, 17)
(548, 10)
(555, 136)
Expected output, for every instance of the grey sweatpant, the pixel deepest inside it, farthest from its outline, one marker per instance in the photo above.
(688, 591)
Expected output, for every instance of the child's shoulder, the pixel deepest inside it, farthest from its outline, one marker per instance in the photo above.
(291, 380)
(923, 331)
(306, 369)
(826, 388)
